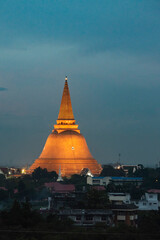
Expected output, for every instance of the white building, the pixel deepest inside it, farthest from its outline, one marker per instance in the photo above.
(148, 202)
(119, 198)
(102, 181)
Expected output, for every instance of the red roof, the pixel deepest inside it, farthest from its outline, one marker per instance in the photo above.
(99, 188)
(15, 190)
(60, 188)
(49, 184)
(154, 191)
(3, 188)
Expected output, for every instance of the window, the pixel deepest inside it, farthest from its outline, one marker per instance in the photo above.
(144, 203)
(89, 218)
(150, 203)
(103, 218)
(96, 181)
(121, 213)
(150, 196)
(78, 218)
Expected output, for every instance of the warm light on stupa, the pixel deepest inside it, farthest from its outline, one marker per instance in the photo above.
(65, 146)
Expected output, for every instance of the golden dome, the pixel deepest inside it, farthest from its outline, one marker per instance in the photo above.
(69, 150)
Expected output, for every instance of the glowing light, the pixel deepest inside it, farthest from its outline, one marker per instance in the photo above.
(118, 167)
(23, 171)
(89, 174)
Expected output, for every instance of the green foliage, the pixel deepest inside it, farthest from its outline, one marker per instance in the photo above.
(21, 186)
(97, 199)
(40, 173)
(3, 195)
(20, 215)
(2, 180)
(149, 222)
(136, 193)
(59, 225)
(78, 180)
(151, 177)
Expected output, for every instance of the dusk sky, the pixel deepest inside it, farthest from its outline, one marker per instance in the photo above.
(110, 51)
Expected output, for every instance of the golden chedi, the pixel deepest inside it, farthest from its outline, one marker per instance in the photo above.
(65, 147)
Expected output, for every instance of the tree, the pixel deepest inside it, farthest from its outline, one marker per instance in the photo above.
(40, 173)
(97, 199)
(78, 180)
(2, 180)
(3, 194)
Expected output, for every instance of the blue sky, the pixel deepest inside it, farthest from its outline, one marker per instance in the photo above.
(110, 51)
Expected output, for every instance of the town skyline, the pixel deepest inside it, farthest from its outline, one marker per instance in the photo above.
(110, 53)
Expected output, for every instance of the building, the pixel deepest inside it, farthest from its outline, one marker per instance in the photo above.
(66, 147)
(102, 181)
(148, 202)
(128, 168)
(9, 172)
(115, 180)
(125, 213)
(119, 198)
(62, 195)
(87, 217)
(156, 191)
(137, 181)
(56, 187)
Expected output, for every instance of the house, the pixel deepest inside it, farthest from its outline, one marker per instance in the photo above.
(149, 201)
(104, 181)
(125, 213)
(129, 168)
(119, 198)
(63, 195)
(56, 187)
(115, 214)
(87, 217)
(157, 191)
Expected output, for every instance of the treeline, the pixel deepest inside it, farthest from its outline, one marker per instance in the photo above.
(30, 186)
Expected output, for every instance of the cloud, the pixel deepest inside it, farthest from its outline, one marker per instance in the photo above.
(93, 26)
(3, 89)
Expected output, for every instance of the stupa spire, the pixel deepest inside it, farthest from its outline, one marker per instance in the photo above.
(66, 112)
(66, 119)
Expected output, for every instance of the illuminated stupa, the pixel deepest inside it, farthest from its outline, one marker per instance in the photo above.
(65, 147)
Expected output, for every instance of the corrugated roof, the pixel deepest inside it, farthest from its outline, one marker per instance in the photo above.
(60, 188)
(153, 191)
(127, 178)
